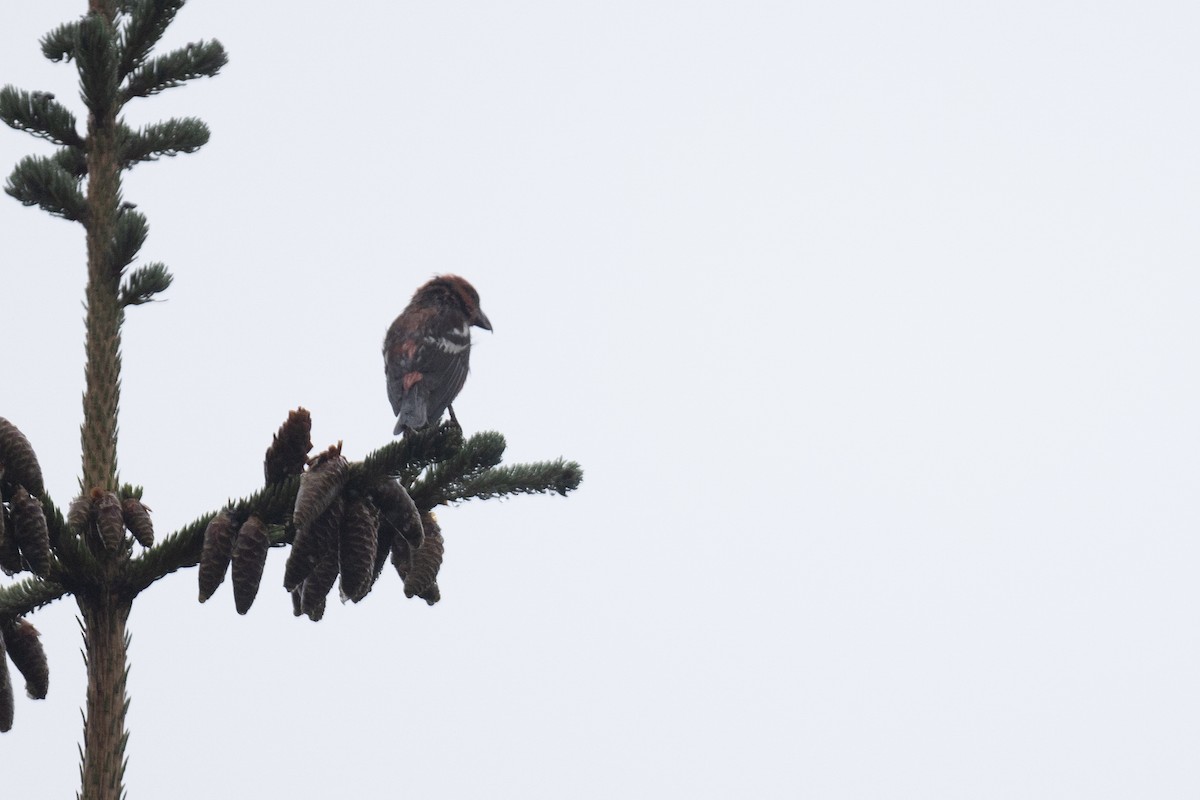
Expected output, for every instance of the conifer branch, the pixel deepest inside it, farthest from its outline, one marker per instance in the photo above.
(168, 138)
(147, 22)
(21, 598)
(405, 458)
(273, 504)
(538, 478)
(71, 160)
(41, 181)
(39, 114)
(453, 471)
(196, 60)
(55, 524)
(143, 283)
(481, 451)
(60, 43)
(96, 59)
(128, 237)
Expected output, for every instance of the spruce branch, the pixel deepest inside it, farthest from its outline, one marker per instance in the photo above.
(41, 181)
(538, 478)
(96, 59)
(454, 470)
(54, 519)
(405, 458)
(168, 138)
(273, 504)
(39, 114)
(78, 566)
(144, 283)
(195, 60)
(481, 451)
(21, 598)
(146, 23)
(60, 43)
(128, 237)
(71, 160)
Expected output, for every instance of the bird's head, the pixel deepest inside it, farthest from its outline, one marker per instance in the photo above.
(457, 292)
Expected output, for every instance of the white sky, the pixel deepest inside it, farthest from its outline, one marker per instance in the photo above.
(873, 325)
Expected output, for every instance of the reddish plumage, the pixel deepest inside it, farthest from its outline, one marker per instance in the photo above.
(427, 350)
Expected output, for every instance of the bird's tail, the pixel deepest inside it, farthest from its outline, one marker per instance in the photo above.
(412, 411)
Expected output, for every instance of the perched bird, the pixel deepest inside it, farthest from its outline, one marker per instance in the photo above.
(427, 348)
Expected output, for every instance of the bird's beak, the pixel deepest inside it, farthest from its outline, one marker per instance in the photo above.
(480, 320)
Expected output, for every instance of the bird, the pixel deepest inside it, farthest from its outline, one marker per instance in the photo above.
(427, 349)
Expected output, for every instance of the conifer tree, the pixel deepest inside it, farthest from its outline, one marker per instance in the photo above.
(343, 521)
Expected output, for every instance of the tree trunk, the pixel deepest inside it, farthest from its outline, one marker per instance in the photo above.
(104, 313)
(104, 736)
(105, 611)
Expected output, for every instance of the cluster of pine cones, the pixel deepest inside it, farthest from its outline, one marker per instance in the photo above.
(20, 640)
(24, 544)
(24, 536)
(336, 530)
(99, 517)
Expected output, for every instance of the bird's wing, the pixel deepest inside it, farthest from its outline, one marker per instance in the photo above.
(395, 382)
(401, 347)
(444, 366)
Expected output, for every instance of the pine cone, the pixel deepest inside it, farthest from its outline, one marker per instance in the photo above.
(432, 594)
(315, 589)
(326, 532)
(356, 548)
(6, 693)
(81, 514)
(289, 449)
(18, 459)
(217, 551)
(319, 486)
(312, 540)
(383, 547)
(30, 532)
(401, 556)
(25, 650)
(10, 554)
(249, 557)
(398, 511)
(420, 577)
(110, 522)
(137, 520)
(303, 557)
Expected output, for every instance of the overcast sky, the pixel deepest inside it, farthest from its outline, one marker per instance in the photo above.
(873, 325)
